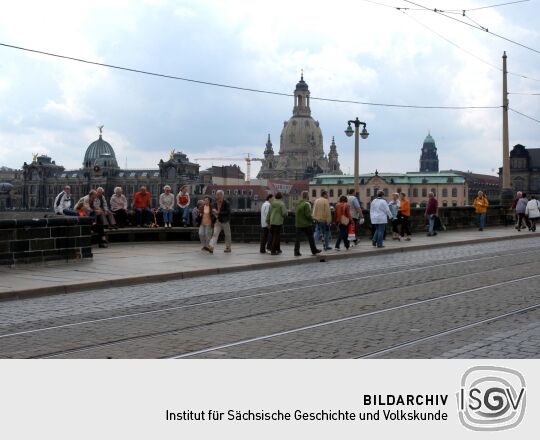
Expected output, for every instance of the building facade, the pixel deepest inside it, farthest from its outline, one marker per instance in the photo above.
(301, 153)
(489, 185)
(449, 188)
(525, 169)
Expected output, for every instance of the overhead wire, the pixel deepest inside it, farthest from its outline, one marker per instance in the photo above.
(523, 114)
(246, 89)
(479, 27)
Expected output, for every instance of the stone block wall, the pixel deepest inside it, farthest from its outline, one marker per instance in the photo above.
(44, 239)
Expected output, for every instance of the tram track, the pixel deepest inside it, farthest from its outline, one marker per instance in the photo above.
(273, 292)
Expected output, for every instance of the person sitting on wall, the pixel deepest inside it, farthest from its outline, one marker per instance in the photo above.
(101, 203)
(119, 206)
(183, 201)
(166, 206)
(62, 203)
(86, 208)
(142, 204)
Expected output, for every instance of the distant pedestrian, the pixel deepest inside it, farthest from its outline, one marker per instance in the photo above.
(394, 206)
(480, 205)
(342, 219)
(323, 218)
(166, 206)
(206, 221)
(430, 214)
(521, 207)
(266, 235)
(356, 212)
(304, 225)
(379, 214)
(404, 215)
(532, 211)
(275, 218)
(222, 211)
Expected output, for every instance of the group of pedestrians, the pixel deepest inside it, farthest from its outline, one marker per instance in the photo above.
(527, 211)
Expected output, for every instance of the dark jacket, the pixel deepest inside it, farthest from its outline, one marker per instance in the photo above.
(223, 216)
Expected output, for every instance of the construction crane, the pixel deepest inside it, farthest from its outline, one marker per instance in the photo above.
(248, 160)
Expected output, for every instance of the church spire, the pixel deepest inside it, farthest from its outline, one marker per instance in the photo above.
(269, 150)
(301, 98)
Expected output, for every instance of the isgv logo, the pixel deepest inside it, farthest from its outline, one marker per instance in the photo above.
(491, 398)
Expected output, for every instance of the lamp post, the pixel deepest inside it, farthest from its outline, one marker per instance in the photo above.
(364, 134)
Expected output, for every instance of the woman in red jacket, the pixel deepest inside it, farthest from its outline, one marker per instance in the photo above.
(342, 219)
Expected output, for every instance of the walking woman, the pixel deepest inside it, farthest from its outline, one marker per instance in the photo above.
(342, 219)
(206, 221)
(404, 214)
(532, 211)
(480, 205)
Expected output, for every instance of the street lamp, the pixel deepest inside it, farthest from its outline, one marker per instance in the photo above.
(364, 134)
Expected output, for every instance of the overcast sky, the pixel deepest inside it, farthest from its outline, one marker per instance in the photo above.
(349, 50)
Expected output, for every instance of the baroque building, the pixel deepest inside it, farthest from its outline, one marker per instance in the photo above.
(525, 169)
(301, 153)
(429, 160)
(43, 179)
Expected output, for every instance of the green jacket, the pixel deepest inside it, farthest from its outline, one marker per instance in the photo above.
(303, 215)
(276, 213)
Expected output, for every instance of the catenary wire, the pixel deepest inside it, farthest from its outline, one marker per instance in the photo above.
(523, 114)
(404, 11)
(246, 89)
(442, 12)
(494, 6)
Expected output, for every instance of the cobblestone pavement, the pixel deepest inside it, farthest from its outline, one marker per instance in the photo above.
(394, 305)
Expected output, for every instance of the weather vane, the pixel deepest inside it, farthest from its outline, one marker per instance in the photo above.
(100, 129)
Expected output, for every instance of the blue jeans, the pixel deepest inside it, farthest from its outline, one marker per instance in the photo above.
(431, 224)
(379, 234)
(343, 235)
(167, 215)
(142, 216)
(70, 212)
(184, 214)
(322, 228)
(482, 220)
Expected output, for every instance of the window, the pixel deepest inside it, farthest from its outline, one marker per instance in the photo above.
(385, 192)
(424, 192)
(454, 192)
(415, 192)
(445, 203)
(434, 192)
(331, 192)
(368, 192)
(454, 203)
(339, 192)
(313, 193)
(445, 192)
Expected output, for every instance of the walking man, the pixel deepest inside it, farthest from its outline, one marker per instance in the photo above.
(275, 218)
(379, 214)
(431, 213)
(521, 207)
(304, 225)
(323, 219)
(356, 212)
(222, 212)
(266, 236)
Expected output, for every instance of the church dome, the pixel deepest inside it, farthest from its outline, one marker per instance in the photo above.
(429, 139)
(301, 133)
(99, 149)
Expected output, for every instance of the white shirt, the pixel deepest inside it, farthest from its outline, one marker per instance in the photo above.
(533, 209)
(62, 201)
(379, 212)
(264, 212)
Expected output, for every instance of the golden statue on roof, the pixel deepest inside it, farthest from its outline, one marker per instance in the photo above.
(171, 154)
(34, 157)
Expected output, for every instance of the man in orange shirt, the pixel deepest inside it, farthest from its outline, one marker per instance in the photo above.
(142, 202)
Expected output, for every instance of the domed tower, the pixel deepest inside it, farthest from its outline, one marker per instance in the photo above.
(333, 162)
(100, 155)
(429, 160)
(301, 152)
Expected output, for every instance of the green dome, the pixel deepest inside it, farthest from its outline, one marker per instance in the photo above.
(99, 149)
(429, 139)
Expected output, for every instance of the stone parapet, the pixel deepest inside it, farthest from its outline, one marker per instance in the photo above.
(44, 239)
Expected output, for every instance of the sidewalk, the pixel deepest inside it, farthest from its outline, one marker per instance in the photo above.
(137, 263)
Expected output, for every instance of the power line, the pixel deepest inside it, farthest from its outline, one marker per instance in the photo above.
(495, 6)
(523, 114)
(404, 11)
(245, 89)
(526, 94)
(479, 27)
